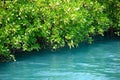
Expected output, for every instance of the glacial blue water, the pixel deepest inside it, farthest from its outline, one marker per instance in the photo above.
(97, 61)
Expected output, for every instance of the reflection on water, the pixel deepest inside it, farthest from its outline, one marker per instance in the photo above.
(98, 61)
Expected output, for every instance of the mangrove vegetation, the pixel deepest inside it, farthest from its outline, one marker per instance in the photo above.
(27, 25)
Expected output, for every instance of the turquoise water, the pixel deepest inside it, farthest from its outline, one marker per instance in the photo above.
(98, 61)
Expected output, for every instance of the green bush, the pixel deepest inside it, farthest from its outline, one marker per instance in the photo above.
(112, 9)
(34, 24)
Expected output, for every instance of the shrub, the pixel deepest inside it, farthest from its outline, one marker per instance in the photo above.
(33, 24)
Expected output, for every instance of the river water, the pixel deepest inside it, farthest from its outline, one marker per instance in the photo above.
(98, 61)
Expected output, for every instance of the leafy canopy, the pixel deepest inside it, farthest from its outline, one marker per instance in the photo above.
(34, 24)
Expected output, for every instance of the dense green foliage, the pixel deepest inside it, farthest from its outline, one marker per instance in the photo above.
(28, 25)
(113, 12)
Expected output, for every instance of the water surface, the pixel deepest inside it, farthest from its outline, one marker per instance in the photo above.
(98, 61)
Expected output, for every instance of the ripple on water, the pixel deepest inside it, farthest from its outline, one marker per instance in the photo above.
(99, 61)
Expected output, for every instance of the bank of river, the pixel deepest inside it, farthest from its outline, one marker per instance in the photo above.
(98, 61)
